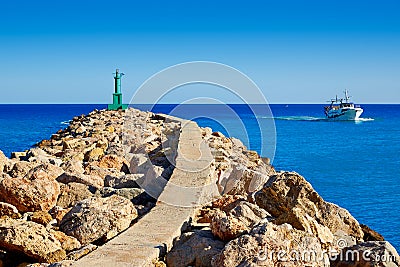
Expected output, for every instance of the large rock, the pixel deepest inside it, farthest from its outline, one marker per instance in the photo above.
(8, 210)
(94, 154)
(114, 162)
(291, 199)
(21, 168)
(227, 227)
(250, 214)
(31, 239)
(368, 254)
(36, 191)
(272, 245)
(39, 155)
(72, 193)
(124, 181)
(68, 243)
(232, 216)
(73, 166)
(96, 218)
(44, 171)
(194, 249)
(91, 180)
(77, 254)
(242, 176)
(41, 217)
(128, 193)
(371, 235)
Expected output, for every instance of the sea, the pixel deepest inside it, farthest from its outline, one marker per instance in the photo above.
(355, 164)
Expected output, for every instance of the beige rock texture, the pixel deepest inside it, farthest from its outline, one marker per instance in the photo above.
(30, 239)
(194, 249)
(36, 191)
(291, 199)
(21, 168)
(72, 193)
(8, 210)
(227, 227)
(68, 243)
(272, 245)
(41, 217)
(95, 218)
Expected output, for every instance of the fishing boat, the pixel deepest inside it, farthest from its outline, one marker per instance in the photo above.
(343, 109)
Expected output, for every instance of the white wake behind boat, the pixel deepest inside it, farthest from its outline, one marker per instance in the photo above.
(343, 109)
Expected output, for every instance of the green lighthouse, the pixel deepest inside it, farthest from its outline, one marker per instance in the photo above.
(117, 96)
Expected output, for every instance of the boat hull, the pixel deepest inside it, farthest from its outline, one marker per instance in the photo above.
(345, 115)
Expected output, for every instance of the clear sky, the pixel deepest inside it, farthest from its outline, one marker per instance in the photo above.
(296, 51)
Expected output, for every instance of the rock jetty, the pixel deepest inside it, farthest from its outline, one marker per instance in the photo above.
(92, 183)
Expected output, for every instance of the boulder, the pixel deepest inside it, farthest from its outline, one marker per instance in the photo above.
(21, 168)
(73, 166)
(91, 180)
(139, 163)
(93, 170)
(41, 217)
(68, 243)
(272, 245)
(371, 235)
(194, 249)
(250, 214)
(95, 218)
(77, 254)
(37, 191)
(124, 181)
(227, 227)
(114, 162)
(44, 171)
(291, 199)
(368, 254)
(38, 155)
(30, 239)
(8, 210)
(94, 154)
(18, 155)
(58, 213)
(238, 179)
(128, 193)
(72, 193)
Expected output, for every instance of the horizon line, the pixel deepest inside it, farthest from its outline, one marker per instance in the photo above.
(233, 103)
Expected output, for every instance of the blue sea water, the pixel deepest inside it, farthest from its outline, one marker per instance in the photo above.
(353, 164)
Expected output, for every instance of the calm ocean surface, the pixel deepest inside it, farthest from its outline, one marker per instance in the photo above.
(353, 164)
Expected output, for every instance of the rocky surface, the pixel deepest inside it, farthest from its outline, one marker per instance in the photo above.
(57, 188)
(96, 217)
(37, 190)
(194, 249)
(76, 190)
(31, 239)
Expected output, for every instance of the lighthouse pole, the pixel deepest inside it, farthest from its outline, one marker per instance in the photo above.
(117, 96)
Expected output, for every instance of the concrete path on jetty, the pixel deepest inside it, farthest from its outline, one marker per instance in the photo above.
(152, 236)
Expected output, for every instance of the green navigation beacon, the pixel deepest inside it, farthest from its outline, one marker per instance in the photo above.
(117, 96)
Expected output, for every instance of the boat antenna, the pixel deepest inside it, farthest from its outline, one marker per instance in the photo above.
(346, 94)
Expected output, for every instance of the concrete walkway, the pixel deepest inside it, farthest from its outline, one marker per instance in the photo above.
(189, 186)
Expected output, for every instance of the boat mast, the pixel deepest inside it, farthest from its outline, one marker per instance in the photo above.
(346, 95)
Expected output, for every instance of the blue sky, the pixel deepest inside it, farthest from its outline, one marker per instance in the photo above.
(296, 51)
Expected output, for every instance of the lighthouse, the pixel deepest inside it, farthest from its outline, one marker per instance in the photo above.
(117, 95)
